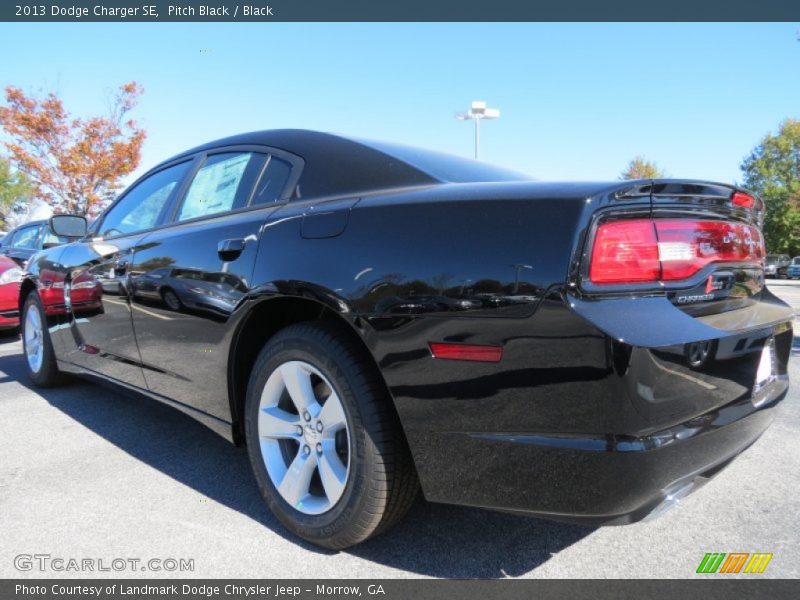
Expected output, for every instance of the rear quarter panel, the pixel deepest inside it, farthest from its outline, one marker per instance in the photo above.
(475, 264)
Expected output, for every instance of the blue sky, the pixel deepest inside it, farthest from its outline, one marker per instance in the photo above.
(578, 100)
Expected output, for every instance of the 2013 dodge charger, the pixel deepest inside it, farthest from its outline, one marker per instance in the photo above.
(368, 318)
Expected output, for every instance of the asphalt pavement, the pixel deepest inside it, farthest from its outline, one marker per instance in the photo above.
(89, 473)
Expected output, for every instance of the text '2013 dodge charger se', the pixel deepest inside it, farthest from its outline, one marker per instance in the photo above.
(369, 318)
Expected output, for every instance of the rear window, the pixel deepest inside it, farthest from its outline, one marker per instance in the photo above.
(445, 167)
(222, 184)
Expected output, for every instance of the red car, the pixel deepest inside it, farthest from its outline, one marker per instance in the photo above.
(10, 277)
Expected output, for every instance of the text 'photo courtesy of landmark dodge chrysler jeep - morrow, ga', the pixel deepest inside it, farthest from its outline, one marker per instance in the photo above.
(371, 319)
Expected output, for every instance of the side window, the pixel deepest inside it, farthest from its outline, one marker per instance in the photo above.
(27, 237)
(273, 181)
(159, 273)
(141, 207)
(223, 183)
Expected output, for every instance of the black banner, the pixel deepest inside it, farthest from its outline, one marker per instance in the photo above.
(393, 589)
(398, 10)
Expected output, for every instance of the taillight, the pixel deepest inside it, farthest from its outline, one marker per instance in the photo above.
(650, 250)
(742, 199)
(625, 251)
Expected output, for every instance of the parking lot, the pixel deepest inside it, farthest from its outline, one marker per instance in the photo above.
(91, 473)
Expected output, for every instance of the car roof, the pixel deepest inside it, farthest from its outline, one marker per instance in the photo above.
(336, 165)
(28, 224)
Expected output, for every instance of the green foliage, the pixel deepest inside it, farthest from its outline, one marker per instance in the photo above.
(639, 168)
(15, 189)
(772, 170)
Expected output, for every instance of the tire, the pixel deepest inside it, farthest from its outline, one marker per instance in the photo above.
(40, 359)
(171, 299)
(369, 480)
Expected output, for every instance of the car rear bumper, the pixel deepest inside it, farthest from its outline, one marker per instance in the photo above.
(589, 426)
(602, 479)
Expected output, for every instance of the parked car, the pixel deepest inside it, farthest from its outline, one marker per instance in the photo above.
(192, 289)
(10, 278)
(793, 272)
(393, 317)
(24, 241)
(777, 265)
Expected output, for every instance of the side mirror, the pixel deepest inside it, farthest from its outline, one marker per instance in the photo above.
(71, 226)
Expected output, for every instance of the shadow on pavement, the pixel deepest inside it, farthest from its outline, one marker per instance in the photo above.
(433, 540)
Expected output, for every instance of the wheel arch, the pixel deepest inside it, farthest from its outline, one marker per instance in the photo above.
(26, 287)
(256, 328)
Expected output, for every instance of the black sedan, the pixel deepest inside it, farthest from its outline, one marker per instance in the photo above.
(369, 319)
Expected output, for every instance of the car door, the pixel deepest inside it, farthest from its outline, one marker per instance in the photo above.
(24, 243)
(189, 278)
(96, 278)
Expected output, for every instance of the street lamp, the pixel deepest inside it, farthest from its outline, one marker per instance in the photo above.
(478, 112)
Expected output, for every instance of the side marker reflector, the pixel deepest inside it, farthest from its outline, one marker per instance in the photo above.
(473, 352)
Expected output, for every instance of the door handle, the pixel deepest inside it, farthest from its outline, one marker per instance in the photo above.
(229, 250)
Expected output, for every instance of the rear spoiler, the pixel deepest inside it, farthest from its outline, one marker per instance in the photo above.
(727, 201)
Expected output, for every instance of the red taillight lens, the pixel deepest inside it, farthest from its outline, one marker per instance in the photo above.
(625, 251)
(472, 352)
(742, 199)
(685, 247)
(645, 250)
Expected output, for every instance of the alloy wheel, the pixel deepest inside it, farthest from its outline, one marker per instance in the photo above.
(304, 437)
(34, 340)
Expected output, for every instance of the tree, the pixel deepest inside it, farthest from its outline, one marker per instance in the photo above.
(74, 164)
(15, 189)
(772, 170)
(639, 168)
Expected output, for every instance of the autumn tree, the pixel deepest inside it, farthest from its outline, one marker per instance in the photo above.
(772, 170)
(639, 168)
(74, 164)
(15, 189)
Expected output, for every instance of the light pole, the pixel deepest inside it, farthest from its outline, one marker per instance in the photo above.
(478, 112)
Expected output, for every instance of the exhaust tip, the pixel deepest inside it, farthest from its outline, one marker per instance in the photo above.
(673, 497)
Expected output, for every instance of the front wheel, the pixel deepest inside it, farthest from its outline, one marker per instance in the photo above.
(324, 442)
(37, 345)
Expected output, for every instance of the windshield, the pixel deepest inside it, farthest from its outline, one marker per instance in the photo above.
(796, 260)
(772, 259)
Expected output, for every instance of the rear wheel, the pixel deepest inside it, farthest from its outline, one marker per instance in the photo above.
(40, 358)
(324, 442)
(171, 299)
